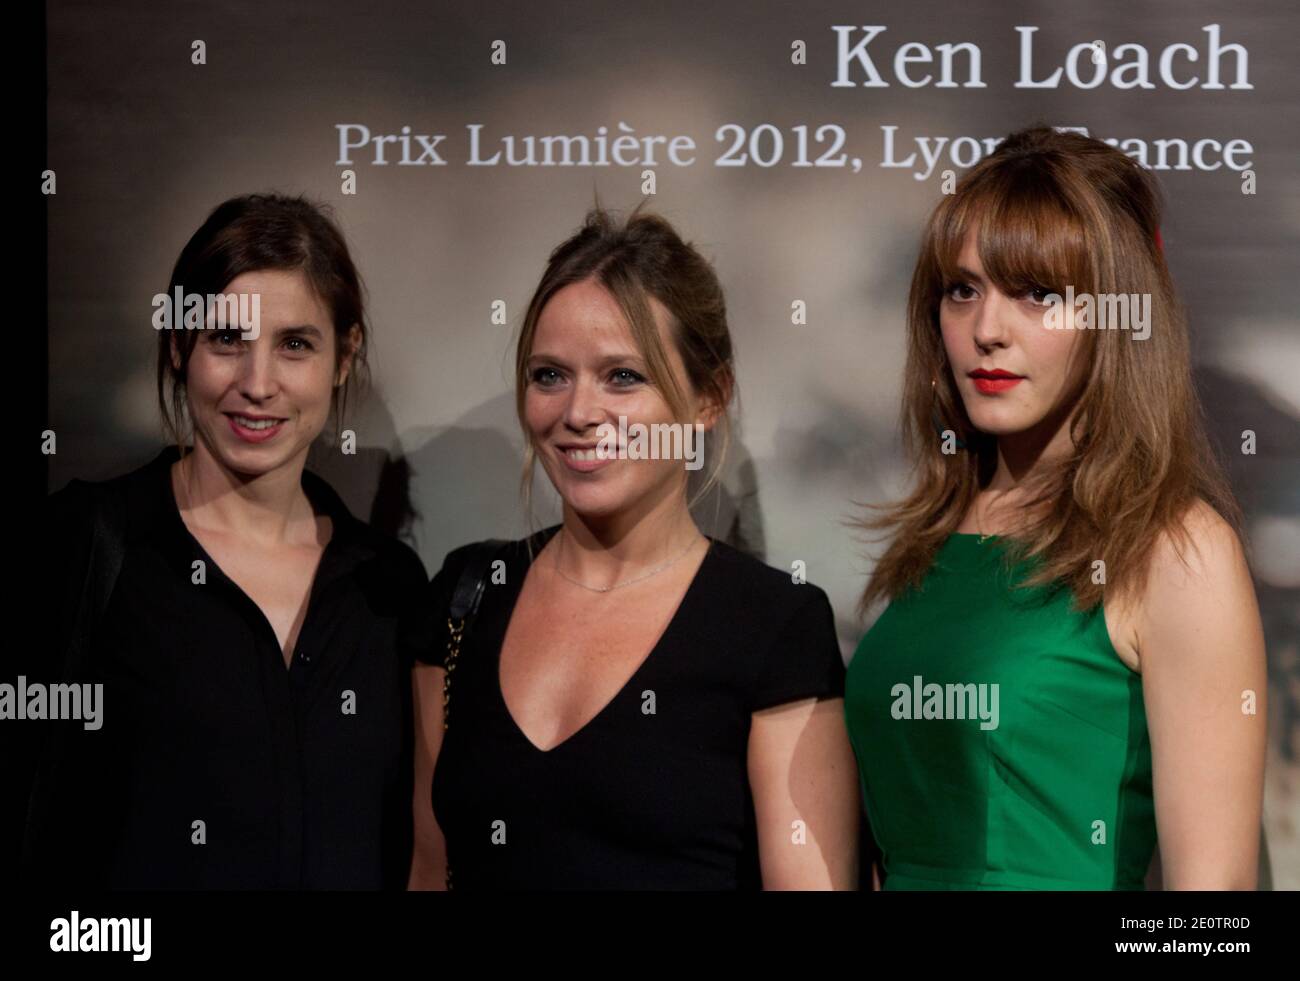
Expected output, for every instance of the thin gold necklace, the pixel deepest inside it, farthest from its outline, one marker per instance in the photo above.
(626, 582)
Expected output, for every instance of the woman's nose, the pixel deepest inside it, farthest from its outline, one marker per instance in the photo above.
(990, 320)
(257, 379)
(585, 407)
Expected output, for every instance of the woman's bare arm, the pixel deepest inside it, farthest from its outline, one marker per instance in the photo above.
(429, 856)
(1201, 649)
(804, 781)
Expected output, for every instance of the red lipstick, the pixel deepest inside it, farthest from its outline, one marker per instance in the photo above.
(990, 381)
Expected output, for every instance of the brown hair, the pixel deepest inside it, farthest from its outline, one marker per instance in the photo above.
(1051, 209)
(634, 259)
(256, 232)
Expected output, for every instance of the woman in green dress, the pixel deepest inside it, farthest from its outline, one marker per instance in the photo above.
(1072, 658)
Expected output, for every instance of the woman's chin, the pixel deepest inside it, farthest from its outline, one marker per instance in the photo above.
(593, 506)
(254, 459)
(999, 424)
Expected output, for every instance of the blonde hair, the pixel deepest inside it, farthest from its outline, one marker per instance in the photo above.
(635, 259)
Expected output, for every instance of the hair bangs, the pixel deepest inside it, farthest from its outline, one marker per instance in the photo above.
(1026, 234)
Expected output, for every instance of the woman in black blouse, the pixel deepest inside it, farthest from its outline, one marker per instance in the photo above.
(635, 705)
(256, 725)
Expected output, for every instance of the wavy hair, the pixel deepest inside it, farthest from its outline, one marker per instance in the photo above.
(1048, 209)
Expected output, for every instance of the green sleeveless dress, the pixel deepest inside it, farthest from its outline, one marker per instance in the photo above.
(1001, 742)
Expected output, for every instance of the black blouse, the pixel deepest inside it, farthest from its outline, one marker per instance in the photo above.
(636, 799)
(300, 776)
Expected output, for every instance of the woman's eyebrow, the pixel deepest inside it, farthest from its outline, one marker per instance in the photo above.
(309, 329)
(547, 358)
(973, 276)
(610, 359)
(604, 362)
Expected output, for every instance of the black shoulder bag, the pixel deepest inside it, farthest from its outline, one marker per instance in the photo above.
(463, 608)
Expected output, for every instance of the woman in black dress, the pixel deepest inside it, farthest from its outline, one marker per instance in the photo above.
(635, 706)
(255, 728)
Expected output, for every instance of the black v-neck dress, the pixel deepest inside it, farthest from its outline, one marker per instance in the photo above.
(653, 792)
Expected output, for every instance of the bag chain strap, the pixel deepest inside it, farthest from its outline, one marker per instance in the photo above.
(455, 628)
